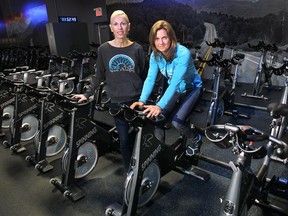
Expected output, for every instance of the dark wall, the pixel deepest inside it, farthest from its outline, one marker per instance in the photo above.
(84, 10)
(64, 38)
(19, 33)
(22, 22)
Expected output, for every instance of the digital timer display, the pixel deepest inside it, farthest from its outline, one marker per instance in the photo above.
(67, 19)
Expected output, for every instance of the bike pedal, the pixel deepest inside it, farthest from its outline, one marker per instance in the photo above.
(114, 209)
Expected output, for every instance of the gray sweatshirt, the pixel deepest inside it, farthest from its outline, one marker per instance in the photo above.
(122, 69)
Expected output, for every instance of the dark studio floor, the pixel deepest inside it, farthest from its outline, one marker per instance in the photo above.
(26, 192)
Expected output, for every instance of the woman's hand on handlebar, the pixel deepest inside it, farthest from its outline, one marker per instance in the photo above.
(137, 104)
(152, 110)
(80, 97)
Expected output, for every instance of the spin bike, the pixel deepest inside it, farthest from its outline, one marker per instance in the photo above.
(83, 78)
(279, 122)
(263, 77)
(7, 99)
(51, 137)
(6, 102)
(247, 187)
(217, 44)
(150, 161)
(217, 55)
(19, 117)
(231, 74)
(222, 100)
(63, 73)
(88, 140)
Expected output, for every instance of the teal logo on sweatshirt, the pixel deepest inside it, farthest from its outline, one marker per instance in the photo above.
(121, 63)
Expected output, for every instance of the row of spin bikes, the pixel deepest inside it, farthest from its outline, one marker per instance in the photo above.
(55, 122)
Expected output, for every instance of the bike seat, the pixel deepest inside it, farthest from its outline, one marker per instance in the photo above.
(277, 109)
(237, 58)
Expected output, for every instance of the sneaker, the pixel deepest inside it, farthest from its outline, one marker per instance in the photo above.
(193, 145)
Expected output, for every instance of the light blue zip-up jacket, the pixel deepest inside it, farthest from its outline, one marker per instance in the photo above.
(181, 74)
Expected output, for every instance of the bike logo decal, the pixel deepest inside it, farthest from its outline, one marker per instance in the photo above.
(30, 109)
(23, 98)
(80, 123)
(11, 101)
(147, 143)
(3, 94)
(86, 137)
(49, 107)
(151, 157)
(54, 120)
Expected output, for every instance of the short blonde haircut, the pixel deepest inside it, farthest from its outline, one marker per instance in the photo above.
(119, 13)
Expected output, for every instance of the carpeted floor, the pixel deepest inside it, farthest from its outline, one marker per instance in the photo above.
(26, 192)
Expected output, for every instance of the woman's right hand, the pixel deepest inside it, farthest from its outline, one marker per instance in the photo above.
(137, 104)
(80, 97)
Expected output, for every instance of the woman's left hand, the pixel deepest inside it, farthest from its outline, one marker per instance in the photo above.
(152, 110)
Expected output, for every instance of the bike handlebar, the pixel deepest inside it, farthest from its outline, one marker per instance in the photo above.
(282, 70)
(38, 92)
(216, 43)
(244, 135)
(68, 100)
(216, 60)
(247, 133)
(237, 58)
(78, 55)
(277, 109)
(137, 116)
(262, 46)
(17, 69)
